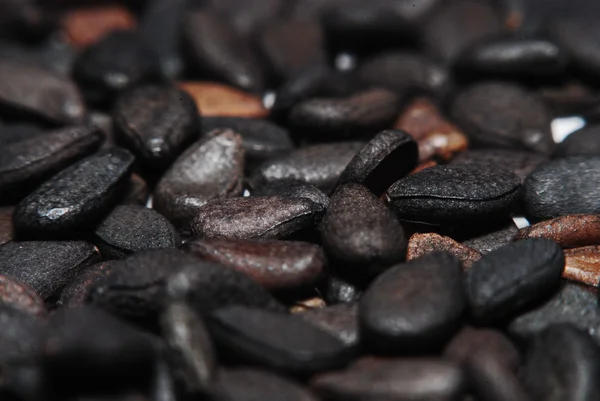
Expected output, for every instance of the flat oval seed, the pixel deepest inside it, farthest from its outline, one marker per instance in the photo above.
(156, 123)
(501, 115)
(46, 266)
(360, 233)
(413, 305)
(564, 364)
(583, 142)
(211, 168)
(569, 231)
(263, 217)
(364, 113)
(338, 320)
(27, 163)
(75, 198)
(321, 165)
(562, 187)
(422, 244)
(401, 379)
(276, 265)
(512, 276)
(129, 229)
(386, 158)
(583, 265)
(520, 163)
(454, 194)
(20, 296)
(38, 93)
(276, 340)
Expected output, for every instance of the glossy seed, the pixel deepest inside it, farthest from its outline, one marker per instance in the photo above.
(360, 233)
(129, 229)
(21, 297)
(519, 162)
(365, 113)
(583, 265)
(211, 168)
(321, 165)
(422, 244)
(454, 194)
(76, 198)
(255, 217)
(276, 265)
(156, 123)
(74, 294)
(413, 305)
(46, 266)
(386, 158)
(27, 163)
(339, 320)
(569, 231)
(562, 187)
(276, 340)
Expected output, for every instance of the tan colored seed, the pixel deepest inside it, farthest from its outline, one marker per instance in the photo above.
(583, 265)
(422, 244)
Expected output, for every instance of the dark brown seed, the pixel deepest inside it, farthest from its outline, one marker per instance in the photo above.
(156, 123)
(194, 359)
(339, 320)
(137, 192)
(394, 379)
(216, 100)
(386, 158)
(360, 233)
(276, 265)
(520, 163)
(245, 384)
(583, 265)
(293, 189)
(76, 198)
(85, 26)
(501, 115)
(20, 338)
(569, 231)
(255, 217)
(21, 297)
(276, 340)
(36, 92)
(46, 266)
(321, 165)
(6, 226)
(414, 305)
(365, 113)
(211, 168)
(75, 292)
(220, 51)
(422, 244)
(129, 229)
(27, 163)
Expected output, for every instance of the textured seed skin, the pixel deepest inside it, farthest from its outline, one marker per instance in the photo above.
(563, 365)
(583, 142)
(276, 265)
(583, 265)
(156, 123)
(409, 378)
(562, 187)
(247, 384)
(21, 297)
(386, 158)
(20, 338)
(27, 163)
(75, 198)
(520, 163)
(266, 217)
(321, 165)
(117, 62)
(413, 305)
(217, 48)
(46, 266)
(569, 231)
(422, 244)
(211, 168)
(75, 292)
(512, 276)
(361, 114)
(293, 189)
(339, 320)
(129, 229)
(501, 115)
(454, 193)
(276, 340)
(360, 233)
(38, 93)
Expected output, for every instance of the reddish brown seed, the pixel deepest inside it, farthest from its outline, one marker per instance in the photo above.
(6, 225)
(421, 244)
(21, 297)
(569, 231)
(583, 265)
(216, 100)
(84, 26)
